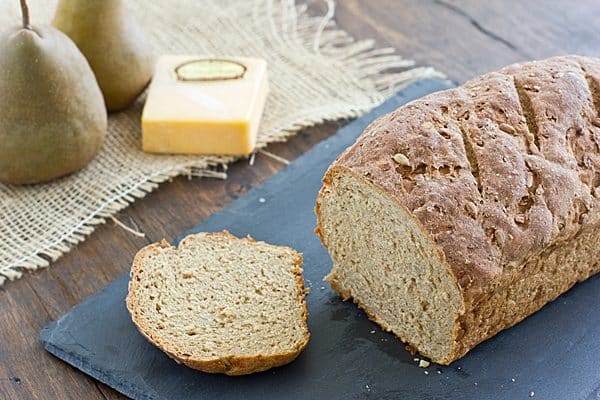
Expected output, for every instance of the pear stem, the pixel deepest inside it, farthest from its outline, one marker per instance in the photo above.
(25, 12)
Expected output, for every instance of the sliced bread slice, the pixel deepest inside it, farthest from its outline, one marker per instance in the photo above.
(221, 304)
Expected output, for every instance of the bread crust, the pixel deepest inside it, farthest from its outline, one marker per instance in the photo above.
(232, 364)
(502, 173)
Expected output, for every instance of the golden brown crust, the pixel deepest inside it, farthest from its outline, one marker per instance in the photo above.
(540, 281)
(499, 172)
(231, 365)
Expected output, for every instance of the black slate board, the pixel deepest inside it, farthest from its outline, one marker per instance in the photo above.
(555, 353)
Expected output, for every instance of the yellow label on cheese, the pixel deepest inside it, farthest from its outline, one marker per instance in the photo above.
(210, 70)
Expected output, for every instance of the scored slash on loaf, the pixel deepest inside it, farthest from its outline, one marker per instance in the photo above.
(221, 304)
(461, 213)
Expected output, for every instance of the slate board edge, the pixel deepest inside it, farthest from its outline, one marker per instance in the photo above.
(413, 91)
(130, 391)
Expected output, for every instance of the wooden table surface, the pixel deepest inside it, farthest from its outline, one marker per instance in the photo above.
(462, 38)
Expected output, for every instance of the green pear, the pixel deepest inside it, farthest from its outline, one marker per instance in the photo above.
(52, 115)
(114, 44)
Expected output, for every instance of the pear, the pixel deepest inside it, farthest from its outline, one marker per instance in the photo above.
(52, 115)
(114, 44)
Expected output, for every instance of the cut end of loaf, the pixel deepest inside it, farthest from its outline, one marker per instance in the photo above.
(385, 262)
(221, 304)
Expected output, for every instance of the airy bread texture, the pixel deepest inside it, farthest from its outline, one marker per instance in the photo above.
(461, 213)
(221, 304)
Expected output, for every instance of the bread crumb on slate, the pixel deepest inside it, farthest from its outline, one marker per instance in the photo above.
(424, 363)
(531, 394)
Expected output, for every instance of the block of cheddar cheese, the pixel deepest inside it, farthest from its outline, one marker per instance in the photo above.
(199, 105)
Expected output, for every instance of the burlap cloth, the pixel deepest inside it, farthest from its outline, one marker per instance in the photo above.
(317, 73)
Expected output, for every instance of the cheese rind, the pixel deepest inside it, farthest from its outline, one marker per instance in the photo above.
(204, 117)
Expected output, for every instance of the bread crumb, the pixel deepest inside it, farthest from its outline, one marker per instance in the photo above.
(531, 394)
(529, 180)
(373, 331)
(262, 200)
(415, 359)
(426, 372)
(507, 128)
(424, 363)
(401, 159)
(500, 237)
(472, 209)
(439, 371)
(513, 380)
(412, 350)
(475, 383)
(322, 288)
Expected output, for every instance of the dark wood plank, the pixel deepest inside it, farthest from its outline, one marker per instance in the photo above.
(537, 28)
(429, 33)
(460, 37)
(26, 372)
(465, 38)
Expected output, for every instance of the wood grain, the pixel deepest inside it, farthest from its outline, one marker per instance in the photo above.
(463, 38)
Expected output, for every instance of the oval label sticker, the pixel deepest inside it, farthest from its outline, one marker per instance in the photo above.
(210, 70)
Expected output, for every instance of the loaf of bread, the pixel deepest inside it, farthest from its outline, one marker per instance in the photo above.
(221, 304)
(461, 213)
